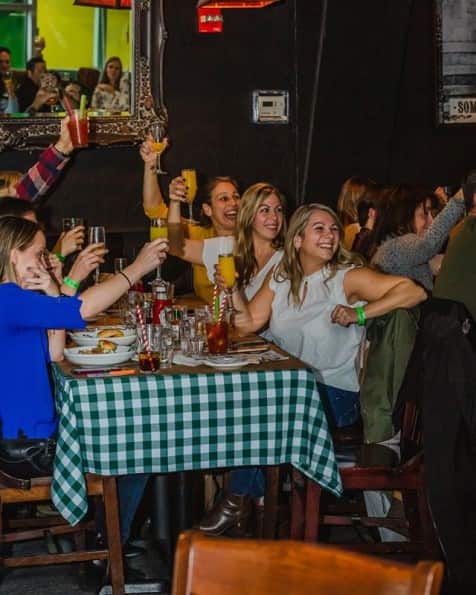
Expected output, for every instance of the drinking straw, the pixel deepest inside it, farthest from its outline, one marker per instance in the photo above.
(82, 107)
(144, 337)
(216, 302)
(224, 303)
(67, 105)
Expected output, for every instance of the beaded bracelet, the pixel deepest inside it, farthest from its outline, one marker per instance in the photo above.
(361, 318)
(71, 283)
(60, 257)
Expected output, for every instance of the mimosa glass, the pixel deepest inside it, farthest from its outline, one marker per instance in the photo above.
(158, 146)
(190, 177)
(97, 235)
(158, 229)
(226, 264)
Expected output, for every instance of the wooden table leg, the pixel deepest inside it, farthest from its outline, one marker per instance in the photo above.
(271, 498)
(298, 494)
(111, 506)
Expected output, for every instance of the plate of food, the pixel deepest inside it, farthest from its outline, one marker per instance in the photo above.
(225, 362)
(103, 353)
(120, 335)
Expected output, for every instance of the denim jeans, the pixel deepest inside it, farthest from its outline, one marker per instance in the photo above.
(248, 481)
(130, 489)
(341, 406)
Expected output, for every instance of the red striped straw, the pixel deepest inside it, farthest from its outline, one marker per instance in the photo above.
(223, 305)
(140, 316)
(67, 105)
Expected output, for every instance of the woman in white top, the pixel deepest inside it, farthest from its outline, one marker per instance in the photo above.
(318, 284)
(313, 301)
(112, 92)
(258, 239)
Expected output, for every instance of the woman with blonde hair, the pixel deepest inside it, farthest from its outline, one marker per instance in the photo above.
(258, 238)
(316, 302)
(351, 192)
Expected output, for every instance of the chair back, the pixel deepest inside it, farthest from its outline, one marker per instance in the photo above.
(220, 566)
(88, 77)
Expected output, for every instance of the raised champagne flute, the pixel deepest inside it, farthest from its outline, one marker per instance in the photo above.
(158, 146)
(226, 263)
(97, 235)
(190, 177)
(158, 229)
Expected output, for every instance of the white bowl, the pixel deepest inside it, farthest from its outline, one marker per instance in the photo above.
(90, 336)
(121, 355)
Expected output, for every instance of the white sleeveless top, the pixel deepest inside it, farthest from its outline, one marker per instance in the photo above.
(307, 332)
(212, 247)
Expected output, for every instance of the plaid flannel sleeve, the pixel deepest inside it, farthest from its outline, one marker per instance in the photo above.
(41, 176)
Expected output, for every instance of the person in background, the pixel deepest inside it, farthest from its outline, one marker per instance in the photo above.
(44, 173)
(73, 91)
(8, 99)
(316, 302)
(112, 92)
(407, 237)
(457, 277)
(31, 98)
(351, 192)
(368, 207)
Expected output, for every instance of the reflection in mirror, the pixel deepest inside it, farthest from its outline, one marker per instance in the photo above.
(53, 48)
(113, 58)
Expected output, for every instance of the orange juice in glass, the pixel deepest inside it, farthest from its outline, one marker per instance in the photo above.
(190, 177)
(226, 263)
(158, 147)
(158, 229)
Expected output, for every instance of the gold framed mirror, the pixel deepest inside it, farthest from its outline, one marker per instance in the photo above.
(141, 59)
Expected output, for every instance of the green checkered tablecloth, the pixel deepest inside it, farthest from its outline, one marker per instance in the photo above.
(180, 422)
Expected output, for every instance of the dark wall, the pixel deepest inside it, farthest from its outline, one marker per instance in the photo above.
(374, 108)
(375, 105)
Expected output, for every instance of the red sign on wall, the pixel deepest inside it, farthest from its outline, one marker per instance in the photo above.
(210, 20)
(104, 3)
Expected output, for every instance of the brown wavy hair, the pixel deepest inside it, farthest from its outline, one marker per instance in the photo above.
(250, 203)
(105, 78)
(290, 267)
(350, 193)
(15, 233)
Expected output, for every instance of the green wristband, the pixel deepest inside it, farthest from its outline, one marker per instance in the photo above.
(60, 257)
(361, 318)
(71, 283)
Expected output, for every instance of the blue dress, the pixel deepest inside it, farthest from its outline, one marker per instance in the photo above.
(26, 396)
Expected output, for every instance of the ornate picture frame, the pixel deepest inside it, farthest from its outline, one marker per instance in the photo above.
(455, 62)
(148, 108)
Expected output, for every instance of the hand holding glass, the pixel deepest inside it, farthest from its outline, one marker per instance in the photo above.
(190, 177)
(158, 229)
(226, 265)
(97, 235)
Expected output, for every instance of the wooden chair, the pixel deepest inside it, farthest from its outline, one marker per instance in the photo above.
(88, 77)
(20, 491)
(376, 468)
(220, 566)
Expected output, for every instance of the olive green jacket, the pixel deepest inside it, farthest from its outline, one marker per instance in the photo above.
(391, 337)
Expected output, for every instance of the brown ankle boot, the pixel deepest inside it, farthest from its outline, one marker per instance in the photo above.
(231, 511)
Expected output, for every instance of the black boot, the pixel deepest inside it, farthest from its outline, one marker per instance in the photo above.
(232, 511)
